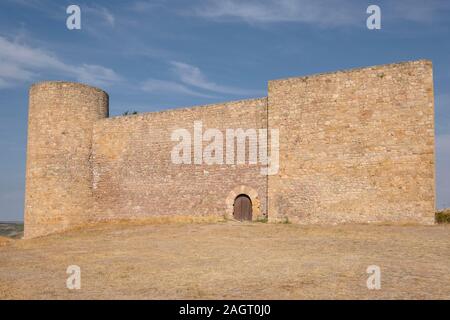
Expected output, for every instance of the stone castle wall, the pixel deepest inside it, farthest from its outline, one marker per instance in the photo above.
(355, 146)
(134, 176)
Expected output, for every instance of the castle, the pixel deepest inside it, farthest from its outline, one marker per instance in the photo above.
(355, 146)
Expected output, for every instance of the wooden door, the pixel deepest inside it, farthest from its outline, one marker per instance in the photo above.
(242, 208)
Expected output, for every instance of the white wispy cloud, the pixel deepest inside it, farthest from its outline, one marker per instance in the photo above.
(421, 11)
(101, 12)
(164, 86)
(323, 13)
(21, 63)
(97, 16)
(190, 80)
(28, 3)
(320, 12)
(144, 6)
(193, 76)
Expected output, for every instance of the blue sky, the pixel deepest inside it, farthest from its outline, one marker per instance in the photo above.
(152, 55)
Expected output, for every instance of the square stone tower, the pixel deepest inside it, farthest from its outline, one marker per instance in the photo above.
(356, 146)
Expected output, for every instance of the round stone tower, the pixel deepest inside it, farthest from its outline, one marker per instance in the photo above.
(58, 191)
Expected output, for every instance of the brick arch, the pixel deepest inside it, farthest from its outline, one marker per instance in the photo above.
(251, 193)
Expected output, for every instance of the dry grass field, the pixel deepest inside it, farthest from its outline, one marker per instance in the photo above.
(230, 260)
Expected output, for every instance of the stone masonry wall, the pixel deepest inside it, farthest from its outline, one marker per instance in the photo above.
(134, 176)
(355, 146)
(58, 174)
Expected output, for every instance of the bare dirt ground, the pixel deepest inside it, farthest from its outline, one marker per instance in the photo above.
(230, 260)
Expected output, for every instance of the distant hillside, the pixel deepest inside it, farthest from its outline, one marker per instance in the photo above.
(443, 216)
(11, 229)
